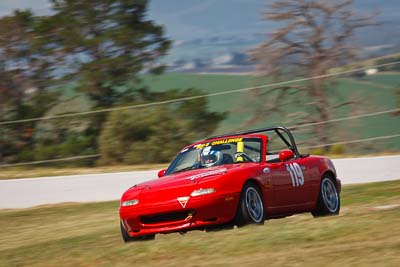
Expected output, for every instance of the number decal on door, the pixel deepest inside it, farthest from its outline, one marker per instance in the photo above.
(296, 174)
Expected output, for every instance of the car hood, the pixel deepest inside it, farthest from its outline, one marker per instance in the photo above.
(178, 184)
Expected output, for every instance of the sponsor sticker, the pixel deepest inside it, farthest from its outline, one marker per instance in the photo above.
(219, 142)
(183, 201)
(205, 174)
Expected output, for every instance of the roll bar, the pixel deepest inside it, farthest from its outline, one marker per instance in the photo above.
(277, 129)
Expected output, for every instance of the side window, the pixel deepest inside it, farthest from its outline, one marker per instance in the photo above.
(253, 149)
(275, 145)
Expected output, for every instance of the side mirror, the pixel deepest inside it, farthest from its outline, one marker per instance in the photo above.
(285, 155)
(161, 173)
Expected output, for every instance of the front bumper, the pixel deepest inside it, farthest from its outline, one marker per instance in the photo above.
(199, 213)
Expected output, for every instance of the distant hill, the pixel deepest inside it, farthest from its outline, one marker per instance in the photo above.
(214, 35)
(205, 32)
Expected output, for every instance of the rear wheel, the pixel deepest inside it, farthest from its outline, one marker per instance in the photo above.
(328, 199)
(127, 238)
(251, 207)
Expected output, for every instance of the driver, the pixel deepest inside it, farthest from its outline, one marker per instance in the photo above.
(209, 157)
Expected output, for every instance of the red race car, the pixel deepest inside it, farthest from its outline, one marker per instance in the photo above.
(227, 180)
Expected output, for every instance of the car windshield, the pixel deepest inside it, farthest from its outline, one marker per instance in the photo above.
(217, 152)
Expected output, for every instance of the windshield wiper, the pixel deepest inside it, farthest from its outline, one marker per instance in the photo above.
(188, 168)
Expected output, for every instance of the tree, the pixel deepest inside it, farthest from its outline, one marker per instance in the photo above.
(104, 44)
(100, 48)
(155, 134)
(25, 64)
(151, 135)
(24, 74)
(194, 111)
(313, 37)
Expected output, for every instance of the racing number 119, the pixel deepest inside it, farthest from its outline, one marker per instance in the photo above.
(296, 174)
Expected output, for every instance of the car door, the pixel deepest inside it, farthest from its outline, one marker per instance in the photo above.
(282, 187)
(302, 180)
(310, 188)
(291, 179)
(291, 182)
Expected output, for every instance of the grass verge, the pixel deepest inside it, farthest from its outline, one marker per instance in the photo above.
(88, 235)
(39, 171)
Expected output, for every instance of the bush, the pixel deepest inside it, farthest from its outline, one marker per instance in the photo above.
(317, 151)
(337, 149)
(153, 135)
(74, 145)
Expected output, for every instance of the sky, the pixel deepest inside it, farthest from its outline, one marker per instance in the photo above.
(39, 6)
(214, 26)
(185, 19)
(190, 19)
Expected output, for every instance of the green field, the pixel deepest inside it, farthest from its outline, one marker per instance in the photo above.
(367, 233)
(374, 93)
(38, 171)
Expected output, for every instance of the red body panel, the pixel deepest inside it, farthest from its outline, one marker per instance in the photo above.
(166, 205)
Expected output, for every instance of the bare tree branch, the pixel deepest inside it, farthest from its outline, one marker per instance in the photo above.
(314, 36)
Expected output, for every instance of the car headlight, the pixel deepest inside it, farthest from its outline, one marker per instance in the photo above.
(130, 203)
(201, 192)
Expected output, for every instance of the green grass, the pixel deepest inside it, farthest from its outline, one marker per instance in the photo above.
(388, 79)
(237, 104)
(374, 93)
(88, 235)
(374, 96)
(41, 171)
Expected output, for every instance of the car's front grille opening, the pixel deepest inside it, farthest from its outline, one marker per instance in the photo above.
(167, 217)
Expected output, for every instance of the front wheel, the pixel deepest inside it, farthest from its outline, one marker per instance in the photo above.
(251, 207)
(328, 199)
(127, 238)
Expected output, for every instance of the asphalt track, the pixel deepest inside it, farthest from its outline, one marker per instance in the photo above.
(29, 192)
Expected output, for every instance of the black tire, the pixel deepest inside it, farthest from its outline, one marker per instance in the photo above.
(251, 206)
(127, 238)
(328, 202)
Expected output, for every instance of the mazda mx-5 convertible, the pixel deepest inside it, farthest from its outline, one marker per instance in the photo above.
(234, 179)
